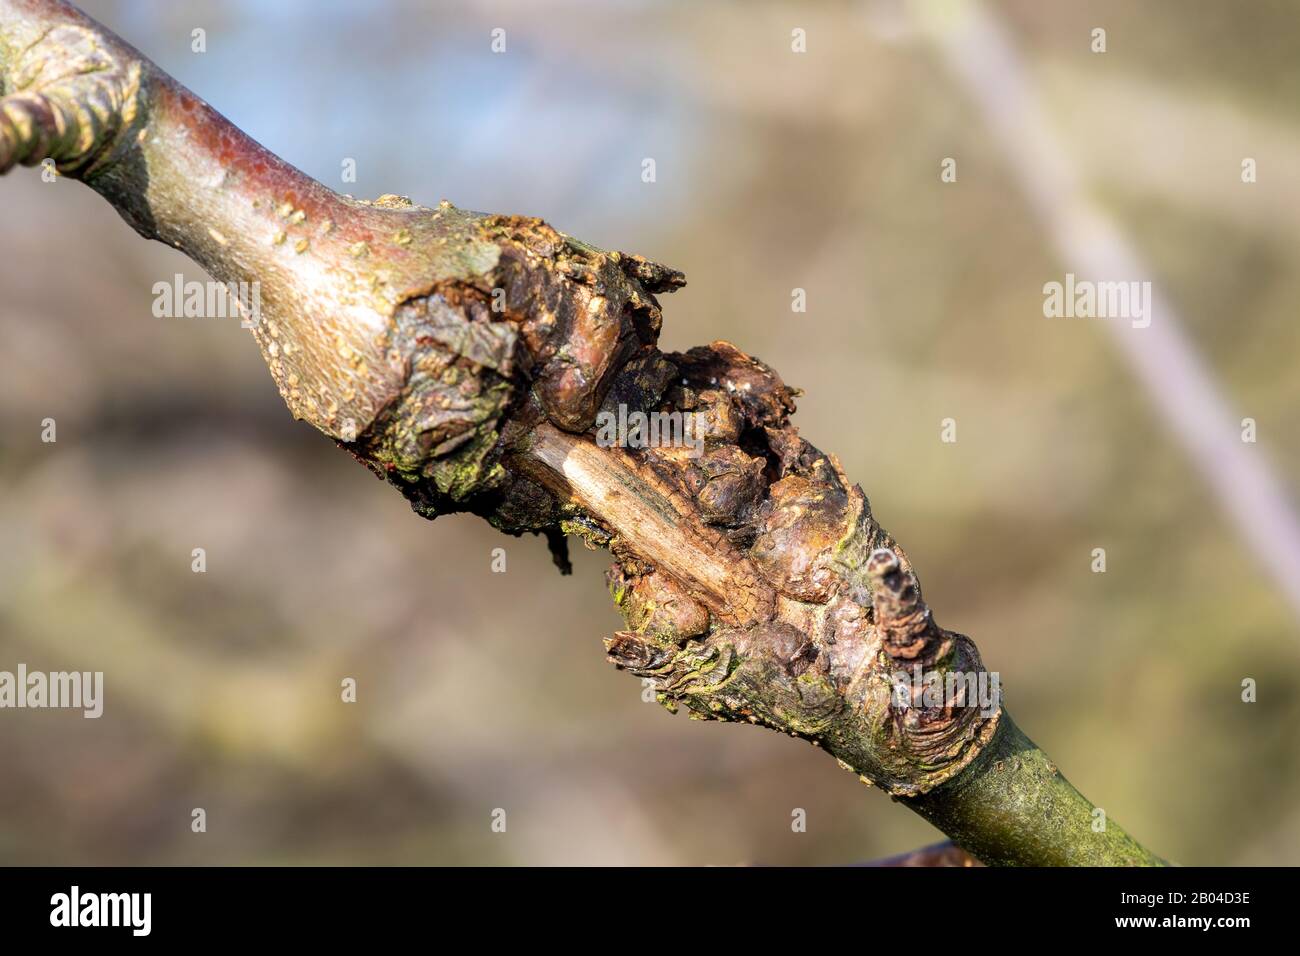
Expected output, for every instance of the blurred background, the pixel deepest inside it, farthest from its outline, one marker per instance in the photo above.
(774, 171)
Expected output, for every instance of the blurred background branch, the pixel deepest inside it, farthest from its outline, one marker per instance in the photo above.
(937, 854)
(1091, 244)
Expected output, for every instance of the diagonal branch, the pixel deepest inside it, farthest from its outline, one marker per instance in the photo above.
(494, 365)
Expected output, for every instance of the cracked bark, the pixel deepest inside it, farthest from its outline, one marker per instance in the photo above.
(465, 358)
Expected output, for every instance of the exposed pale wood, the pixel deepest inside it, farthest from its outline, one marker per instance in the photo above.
(664, 527)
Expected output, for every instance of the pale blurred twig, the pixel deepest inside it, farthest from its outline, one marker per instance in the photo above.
(1092, 245)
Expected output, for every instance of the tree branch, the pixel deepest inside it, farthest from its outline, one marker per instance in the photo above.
(476, 362)
(937, 854)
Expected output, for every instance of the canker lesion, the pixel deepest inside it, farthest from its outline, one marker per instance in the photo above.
(754, 582)
(815, 609)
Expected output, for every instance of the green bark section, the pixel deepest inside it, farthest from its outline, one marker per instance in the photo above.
(1013, 807)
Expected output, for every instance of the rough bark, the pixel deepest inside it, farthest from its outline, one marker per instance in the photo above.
(465, 358)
